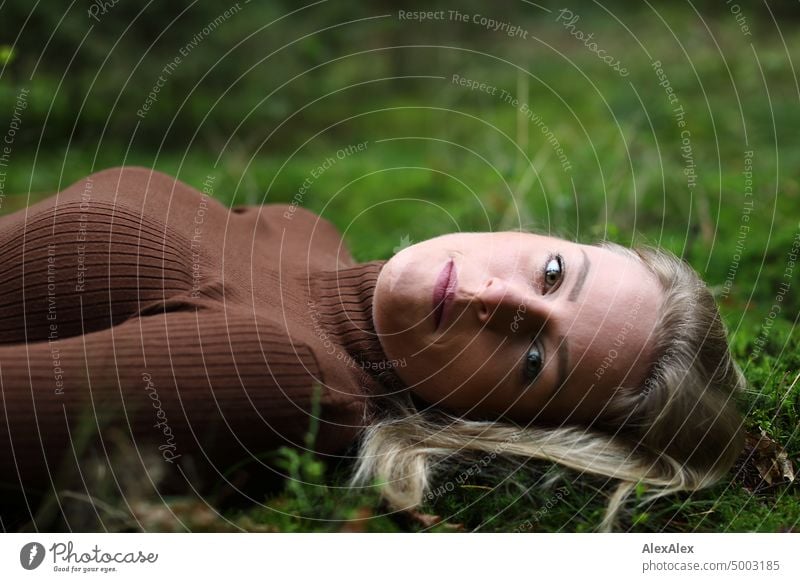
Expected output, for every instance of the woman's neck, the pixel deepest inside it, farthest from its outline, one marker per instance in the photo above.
(343, 298)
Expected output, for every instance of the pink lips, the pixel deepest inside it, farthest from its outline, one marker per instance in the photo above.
(443, 291)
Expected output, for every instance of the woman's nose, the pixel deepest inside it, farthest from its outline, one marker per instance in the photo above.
(511, 306)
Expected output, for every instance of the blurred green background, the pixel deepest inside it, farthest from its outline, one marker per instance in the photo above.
(260, 94)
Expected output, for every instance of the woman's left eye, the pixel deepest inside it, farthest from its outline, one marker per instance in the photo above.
(534, 361)
(553, 271)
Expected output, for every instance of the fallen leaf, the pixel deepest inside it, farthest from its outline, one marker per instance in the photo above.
(429, 520)
(763, 464)
(425, 519)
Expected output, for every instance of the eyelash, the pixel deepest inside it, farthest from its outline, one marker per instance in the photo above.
(527, 378)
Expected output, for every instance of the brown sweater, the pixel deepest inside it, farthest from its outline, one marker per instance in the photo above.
(144, 316)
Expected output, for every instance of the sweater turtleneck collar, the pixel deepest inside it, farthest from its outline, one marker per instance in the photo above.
(344, 297)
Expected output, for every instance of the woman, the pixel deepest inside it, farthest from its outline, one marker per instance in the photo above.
(140, 311)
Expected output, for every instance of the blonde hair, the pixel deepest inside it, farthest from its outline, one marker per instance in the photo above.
(679, 431)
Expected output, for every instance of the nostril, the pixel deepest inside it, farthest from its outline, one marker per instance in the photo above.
(483, 311)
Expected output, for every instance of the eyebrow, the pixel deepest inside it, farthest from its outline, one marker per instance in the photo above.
(578, 285)
(563, 351)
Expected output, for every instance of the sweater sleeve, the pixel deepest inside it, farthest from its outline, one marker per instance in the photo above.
(197, 390)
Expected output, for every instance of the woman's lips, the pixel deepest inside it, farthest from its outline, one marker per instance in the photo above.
(443, 292)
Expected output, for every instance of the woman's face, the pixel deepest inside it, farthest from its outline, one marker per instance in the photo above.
(529, 326)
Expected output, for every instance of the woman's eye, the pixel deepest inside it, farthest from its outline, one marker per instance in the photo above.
(552, 271)
(533, 364)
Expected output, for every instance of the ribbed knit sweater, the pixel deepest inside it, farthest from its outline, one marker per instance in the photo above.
(142, 318)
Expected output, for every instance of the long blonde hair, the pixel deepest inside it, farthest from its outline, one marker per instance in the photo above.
(679, 431)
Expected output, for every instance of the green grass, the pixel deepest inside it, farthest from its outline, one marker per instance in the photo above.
(445, 159)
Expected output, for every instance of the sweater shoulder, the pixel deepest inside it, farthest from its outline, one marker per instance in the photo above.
(292, 216)
(126, 178)
(148, 191)
(297, 227)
